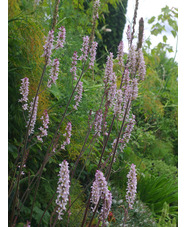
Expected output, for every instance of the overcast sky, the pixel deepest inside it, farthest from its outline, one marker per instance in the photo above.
(147, 9)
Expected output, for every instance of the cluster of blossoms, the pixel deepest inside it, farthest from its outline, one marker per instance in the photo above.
(53, 73)
(120, 54)
(118, 102)
(74, 63)
(131, 186)
(48, 47)
(100, 191)
(24, 90)
(43, 129)
(98, 122)
(84, 48)
(128, 33)
(96, 6)
(61, 37)
(141, 65)
(110, 80)
(132, 60)
(63, 188)
(67, 134)
(134, 85)
(108, 69)
(128, 130)
(93, 54)
(34, 116)
(78, 97)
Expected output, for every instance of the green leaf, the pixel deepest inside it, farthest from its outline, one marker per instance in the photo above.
(164, 38)
(174, 33)
(151, 20)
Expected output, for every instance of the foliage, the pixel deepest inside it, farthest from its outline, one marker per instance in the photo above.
(159, 168)
(155, 191)
(165, 219)
(111, 28)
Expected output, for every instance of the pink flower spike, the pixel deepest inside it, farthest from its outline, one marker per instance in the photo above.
(48, 47)
(100, 191)
(34, 116)
(63, 188)
(108, 69)
(24, 90)
(98, 122)
(93, 54)
(128, 33)
(84, 48)
(132, 60)
(127, 133)
(43, 129)
(53, 73)
(120, 54)
(67, 134)
(131, 186)
(78, 96)
(61, 37)
(141, 65)
(96, 7)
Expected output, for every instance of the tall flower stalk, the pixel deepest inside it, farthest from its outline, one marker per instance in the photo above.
(63, 188)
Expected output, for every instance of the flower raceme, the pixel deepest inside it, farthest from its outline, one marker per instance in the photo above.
(67, 134)
(98, 122)
(34, 116)
(48, 47)
(78, 96)
(43, 129)
(24, 90)
(96, 6)
(63, 188)
(100, 191)
(53, 73)
(93, 54)
(131, 186)
(84, 48)
(61, 37)
(120, 54)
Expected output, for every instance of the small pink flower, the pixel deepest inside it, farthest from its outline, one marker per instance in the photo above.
(61, 37)
(98, 122)
(78, 96)
(24, 90)
(67, 134)
(120, 54)
(84, 48)
(53, 73)
(141, 65)
(48, 47)
(93, 54)
(128, 33)
(96, 7)
(43, 129)
(34, 116)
